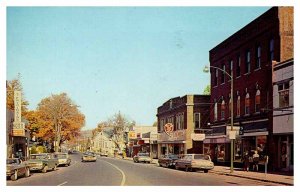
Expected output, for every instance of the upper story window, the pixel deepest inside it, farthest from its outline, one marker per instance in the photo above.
(258, 57)
(283, 91)
(257, 101)
(179, 121)
(162, 124)
(197, 120)
(216, 111)
(271, 50)
(223, 73)
(223, 108)
(216, 77)
(247, 62)
(238, 106)
(247, 104)
(238, 66)
(231, 68)
(229, 107)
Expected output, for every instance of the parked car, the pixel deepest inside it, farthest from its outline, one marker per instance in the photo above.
(89, 156)
(63, 159)
(42, 162)
(167, 160)
(142, 157)
(195, 161)
(15, 168)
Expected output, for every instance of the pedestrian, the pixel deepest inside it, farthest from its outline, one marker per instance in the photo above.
(255, 161)
(246, 161)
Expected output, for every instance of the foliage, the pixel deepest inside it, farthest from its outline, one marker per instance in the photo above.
(154, 124)
(59, 114)
(206, 91)
(15, 85)
(33, 150)
(38, 149)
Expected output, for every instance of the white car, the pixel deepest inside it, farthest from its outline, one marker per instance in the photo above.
(194, 161)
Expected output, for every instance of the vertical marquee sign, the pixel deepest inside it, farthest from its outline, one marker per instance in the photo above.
(18, 125)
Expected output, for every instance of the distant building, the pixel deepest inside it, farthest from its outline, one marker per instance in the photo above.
(179, 119)
(102, 142)
(283, 113)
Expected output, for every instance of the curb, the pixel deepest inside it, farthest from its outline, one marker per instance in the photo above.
(253, 178)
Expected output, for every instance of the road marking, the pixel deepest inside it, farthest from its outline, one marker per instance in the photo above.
(123, 174)
(62, 183)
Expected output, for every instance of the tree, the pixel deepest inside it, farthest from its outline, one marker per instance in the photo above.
(62, 116)
(154, 124)
(206, 91)
(11, 86)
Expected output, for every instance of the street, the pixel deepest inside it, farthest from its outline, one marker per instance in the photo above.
(108, 171)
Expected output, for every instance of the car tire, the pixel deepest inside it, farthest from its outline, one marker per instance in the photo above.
(187, 168)
(14, 177)
(176, 167)
(27, 172)
(206, 171)
(66, 165)
(54, 168)
(44, 170)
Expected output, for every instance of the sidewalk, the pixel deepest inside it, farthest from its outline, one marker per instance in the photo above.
(237, 172)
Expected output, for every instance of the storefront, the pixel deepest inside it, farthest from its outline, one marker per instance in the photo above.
(172, 143)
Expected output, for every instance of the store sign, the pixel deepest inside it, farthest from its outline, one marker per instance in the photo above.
(178, 135)
(169, 128)
(18, 126)
(131, 135)
(197, 136)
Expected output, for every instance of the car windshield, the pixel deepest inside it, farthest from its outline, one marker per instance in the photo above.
(173, 156)
(205, 157)
(143, 154)
(38, 156)
(12, 161)
(61, 156)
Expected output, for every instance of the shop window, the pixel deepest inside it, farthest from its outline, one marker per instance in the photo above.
(197, 120)
(257, 101)
(238, 106)
(223, 108)
(283, 91)
(221, 152)
(247, 104)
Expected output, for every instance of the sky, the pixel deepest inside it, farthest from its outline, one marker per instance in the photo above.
(111, 59)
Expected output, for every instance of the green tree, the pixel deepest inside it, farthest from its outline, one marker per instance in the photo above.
(206, 91)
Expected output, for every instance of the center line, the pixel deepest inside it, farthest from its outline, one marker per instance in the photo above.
(123, 174)
(62, 183)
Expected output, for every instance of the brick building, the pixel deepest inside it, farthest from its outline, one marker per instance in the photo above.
(248, 54)
(187, 116)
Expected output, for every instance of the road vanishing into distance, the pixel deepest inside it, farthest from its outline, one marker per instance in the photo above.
(108, 171)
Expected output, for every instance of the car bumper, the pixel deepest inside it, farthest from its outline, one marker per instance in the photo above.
(202, 167)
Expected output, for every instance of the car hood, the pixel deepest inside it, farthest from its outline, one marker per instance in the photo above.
(35, 161)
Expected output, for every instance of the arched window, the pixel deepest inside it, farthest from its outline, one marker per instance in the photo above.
(216, 111)
(247, 104)
(223, 108)
(238, 106)
(257, 102)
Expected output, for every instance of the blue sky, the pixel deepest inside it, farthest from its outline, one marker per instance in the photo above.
(110, 59)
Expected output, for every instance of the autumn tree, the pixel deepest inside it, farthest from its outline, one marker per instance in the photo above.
(62, 116)
(11, 86)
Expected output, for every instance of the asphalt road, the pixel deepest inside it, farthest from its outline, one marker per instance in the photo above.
(117, 172)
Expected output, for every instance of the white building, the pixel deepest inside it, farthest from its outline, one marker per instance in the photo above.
(102, 142)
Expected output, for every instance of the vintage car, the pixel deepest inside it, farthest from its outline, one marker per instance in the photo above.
(15, 168)
(42, 162)
(105, 154)
(89, 156)
(194, 161)
(63, 159)
(142, 157)
(167, 160)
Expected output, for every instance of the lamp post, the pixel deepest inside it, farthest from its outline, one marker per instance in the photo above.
(206, 70)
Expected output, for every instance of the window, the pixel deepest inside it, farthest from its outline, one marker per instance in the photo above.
(258, 57)
(216, 112)
(179, 121)
(223, 74)
(197, 120)
(247, 63)
(216, 78)
(271, 50)
(231, 68)
(247, 104)
(283, 91)
(238, 66)
(182, 121)
(223, 107)
(257, 102)
(162, 124)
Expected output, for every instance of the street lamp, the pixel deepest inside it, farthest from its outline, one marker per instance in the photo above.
(206, 70)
